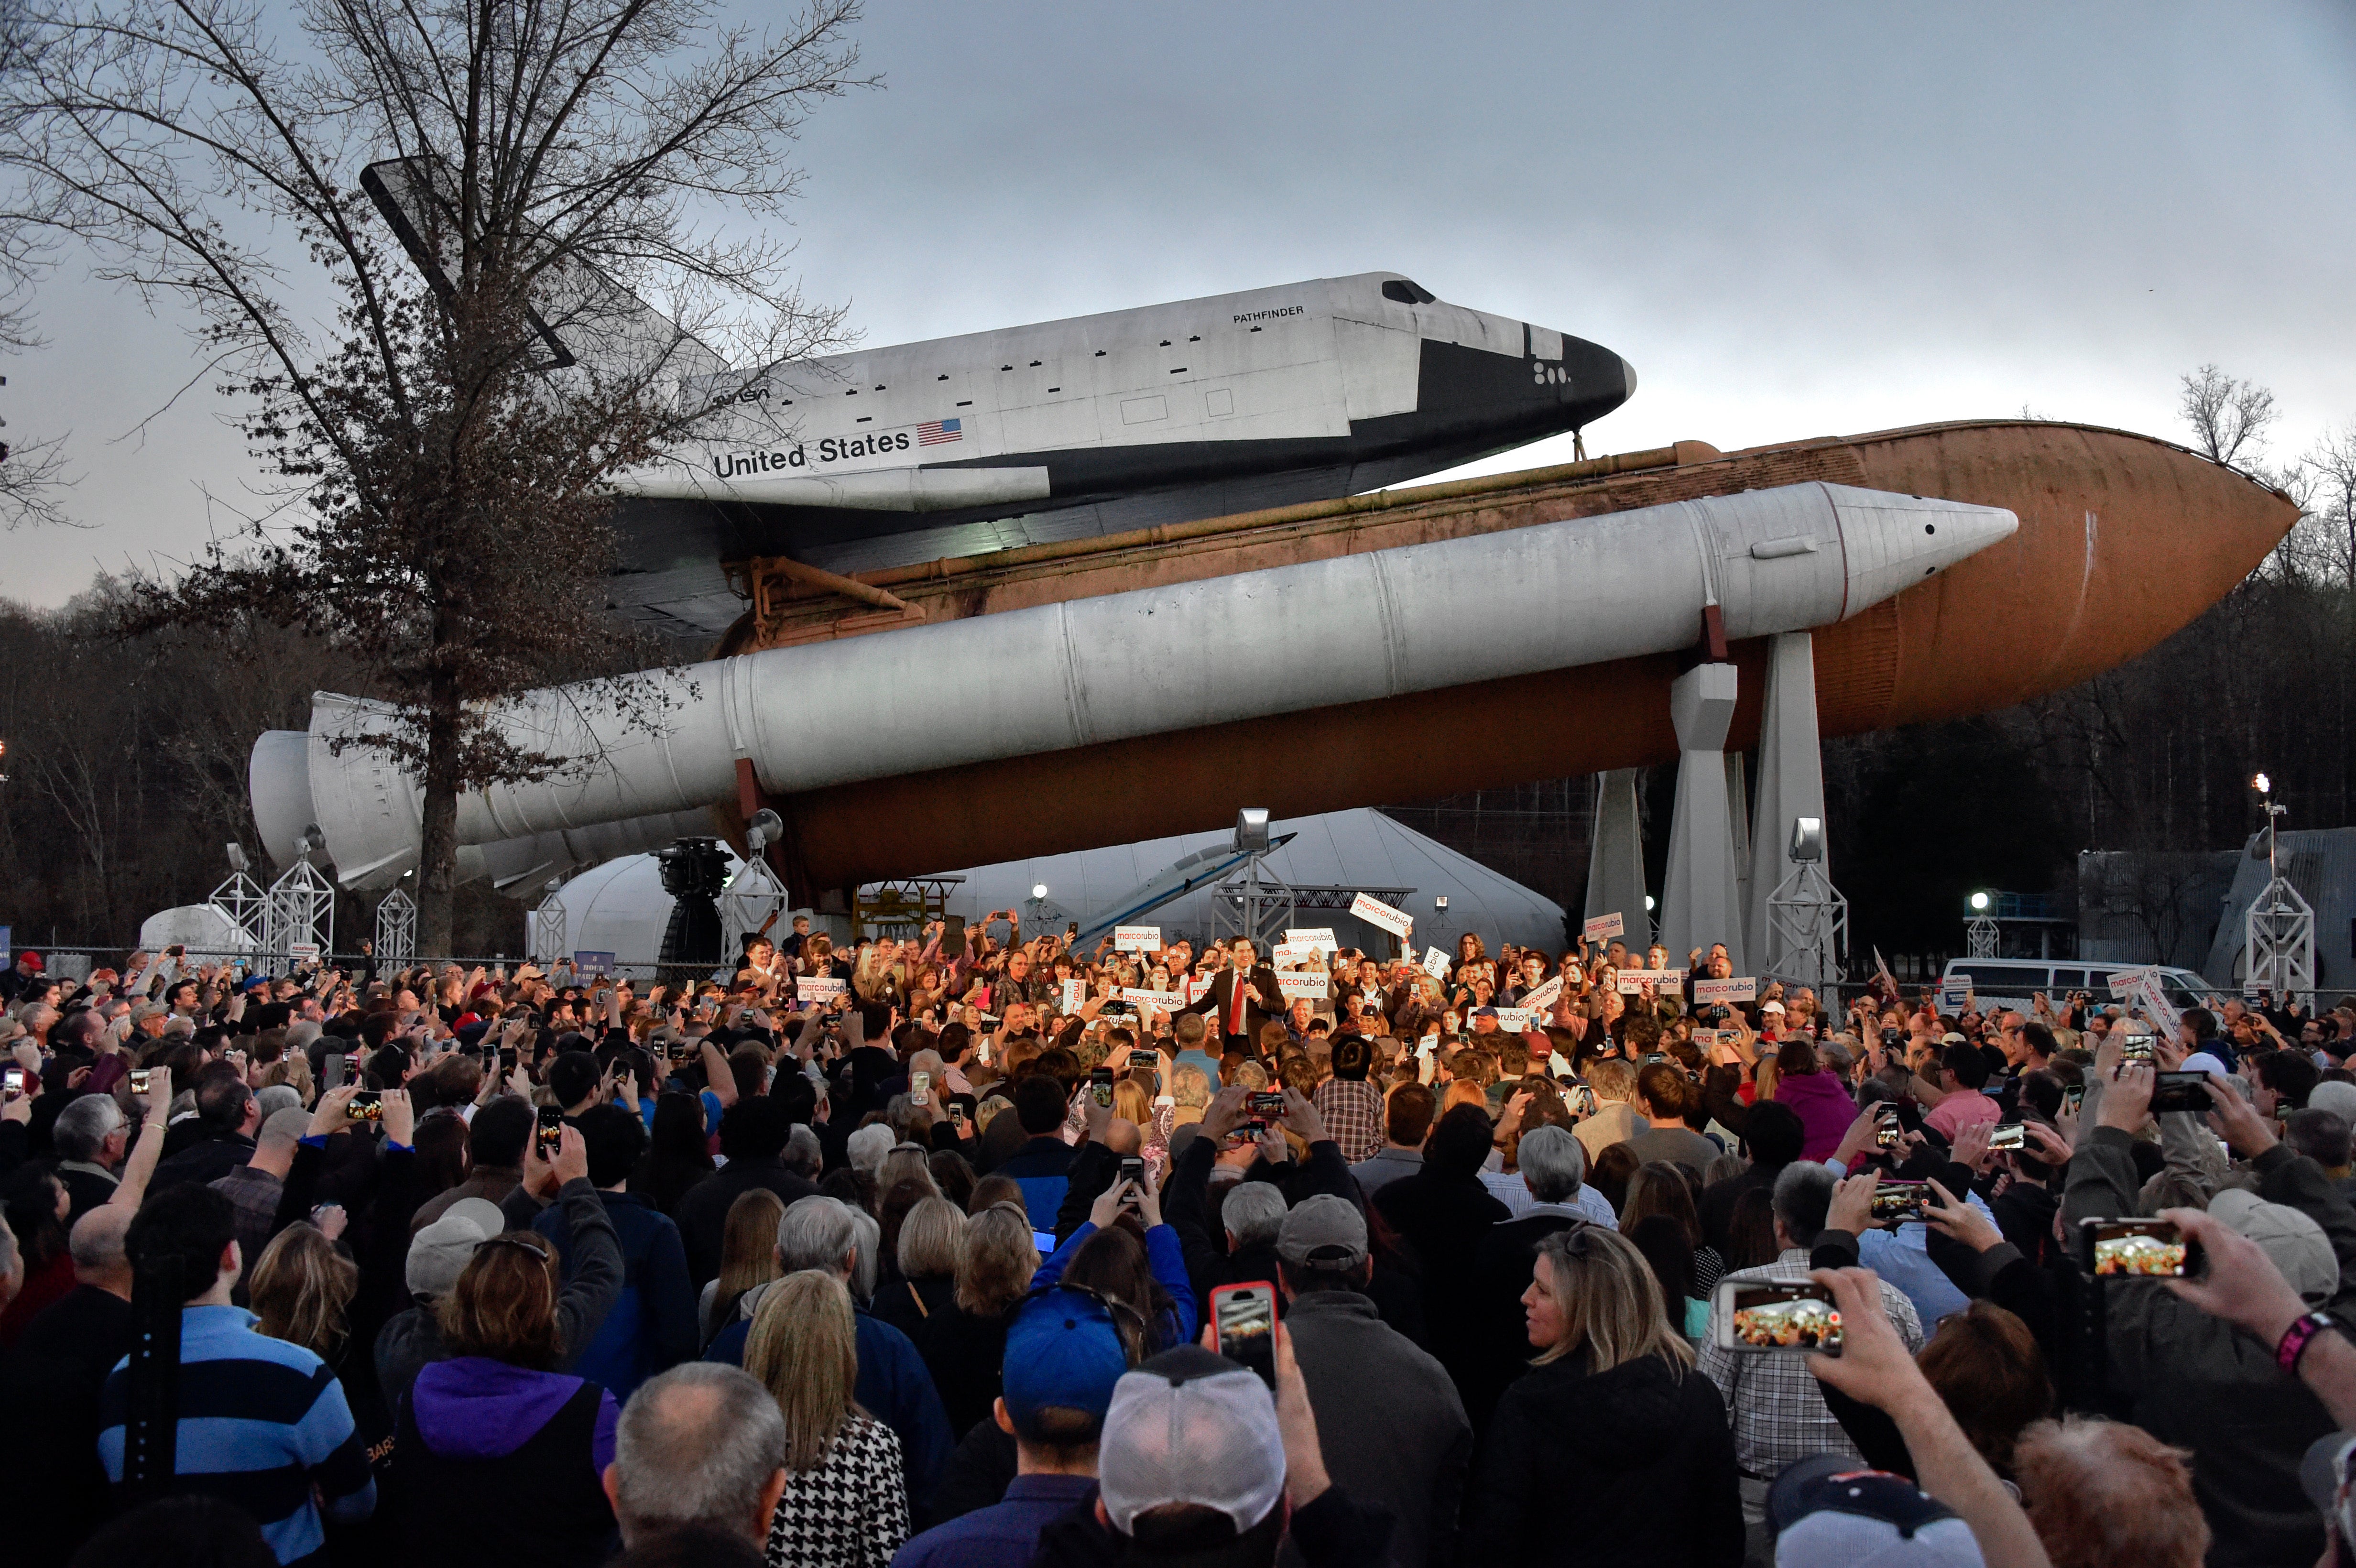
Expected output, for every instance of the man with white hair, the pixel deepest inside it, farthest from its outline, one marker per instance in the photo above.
(823, 1233)
(700, 1446)
(90, 1135)
(1553, 1165)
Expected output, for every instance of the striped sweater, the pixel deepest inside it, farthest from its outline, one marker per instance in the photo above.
(262, 1423)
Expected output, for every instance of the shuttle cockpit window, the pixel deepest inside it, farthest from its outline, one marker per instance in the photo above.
(1406, 293)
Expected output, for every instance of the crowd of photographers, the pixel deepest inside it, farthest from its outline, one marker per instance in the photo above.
(970, 1249)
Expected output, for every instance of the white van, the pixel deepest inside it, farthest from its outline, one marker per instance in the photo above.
(2012, 982)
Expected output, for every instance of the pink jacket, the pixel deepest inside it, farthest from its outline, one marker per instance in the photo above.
(1823, 1107)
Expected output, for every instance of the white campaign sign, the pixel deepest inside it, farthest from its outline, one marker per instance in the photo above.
(1291, 955)
(1165, 1000)
(1317, 936)
(302, 952)
(1198, 987)
(1137, 939)
(1513, 1020)
(1956, 991)
(810, 990)
(1634, 980)
(2143, 989)
(1742, 989)
(1435, 963)
(1545, 996)
(1603, 927)
(1374, 911)
(1076, 995)
(1314, 987)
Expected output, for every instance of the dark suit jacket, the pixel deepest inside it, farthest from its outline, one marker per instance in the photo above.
(1214, 1002)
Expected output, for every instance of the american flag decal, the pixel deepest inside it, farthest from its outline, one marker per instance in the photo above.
(932, 433)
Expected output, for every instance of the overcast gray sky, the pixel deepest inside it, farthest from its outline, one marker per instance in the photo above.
(1794, 221)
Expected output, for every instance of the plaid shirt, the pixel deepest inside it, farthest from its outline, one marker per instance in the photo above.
(1353, 1110)
(1778, 1414)
(254, 1195)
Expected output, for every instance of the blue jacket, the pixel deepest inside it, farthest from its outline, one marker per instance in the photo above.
(893, 1386)
(1042, 1167)
(262, 1425)
(1004, 1535)
(1166, 1256)
(651, 1326)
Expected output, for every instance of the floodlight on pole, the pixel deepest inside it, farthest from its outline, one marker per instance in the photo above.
(1982, 936)
(1038, 890)
(2263, 785)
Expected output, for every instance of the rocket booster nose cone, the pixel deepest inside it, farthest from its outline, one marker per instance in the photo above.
(1890, 541)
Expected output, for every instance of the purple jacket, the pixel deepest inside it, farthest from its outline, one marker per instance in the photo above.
(1823, 1107)
(475, 1408)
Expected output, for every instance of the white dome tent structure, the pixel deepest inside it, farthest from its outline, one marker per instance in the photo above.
(620, 907)
(1341, 853)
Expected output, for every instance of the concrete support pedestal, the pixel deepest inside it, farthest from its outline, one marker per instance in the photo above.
(1615, 860)
(1791, 785)
(1701, 900)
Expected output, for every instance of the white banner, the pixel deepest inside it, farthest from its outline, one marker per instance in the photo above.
(1544, 998)
(1314, 987)
(1137, 939)
(1076, 995)
(1374, 911)
(1632, 981)
(1708, 993)
(1435, 963)
(809, 989)
(1165, 1000)
(2144, 991)
(1317, 936)
(1604, 928)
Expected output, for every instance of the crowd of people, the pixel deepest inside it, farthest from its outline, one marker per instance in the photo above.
(942, 1251)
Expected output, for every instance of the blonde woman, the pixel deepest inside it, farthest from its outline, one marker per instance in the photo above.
(1607, 1360)
(845, 1504)
(748, 1258)
(299, 1288)
(964, 1342)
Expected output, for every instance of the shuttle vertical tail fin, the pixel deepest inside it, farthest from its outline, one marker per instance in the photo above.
(579, 316)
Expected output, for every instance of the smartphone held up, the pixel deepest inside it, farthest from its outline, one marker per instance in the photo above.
(1245, 1318)
(1775, 1315)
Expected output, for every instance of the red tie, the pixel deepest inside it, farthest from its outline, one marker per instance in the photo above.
(1237, 1026)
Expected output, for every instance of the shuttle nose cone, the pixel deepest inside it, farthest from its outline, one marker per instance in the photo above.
(1628, 372)
(1891, 542)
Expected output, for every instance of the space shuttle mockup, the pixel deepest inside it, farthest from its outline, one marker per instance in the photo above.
(1058, 430)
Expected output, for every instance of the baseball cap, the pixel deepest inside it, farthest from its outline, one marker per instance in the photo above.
(1951, 1037)
(1063, 1352)
(1191, 1428)
(1484, 1012)
(2209, 1061)
(438, 1253)
(1826, 1512)
(1323, 1232)
(31, 960)
(2336, 1097)
(1770, 1005)
(2295, 1243)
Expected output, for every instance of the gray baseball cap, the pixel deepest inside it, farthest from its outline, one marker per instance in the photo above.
(1325, 1233)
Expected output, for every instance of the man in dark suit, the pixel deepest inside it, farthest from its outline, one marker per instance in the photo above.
(1242, 996)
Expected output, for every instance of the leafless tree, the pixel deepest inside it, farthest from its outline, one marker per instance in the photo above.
(2332, 507)
(31, 472)
(445, 445)
(2229, 416)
